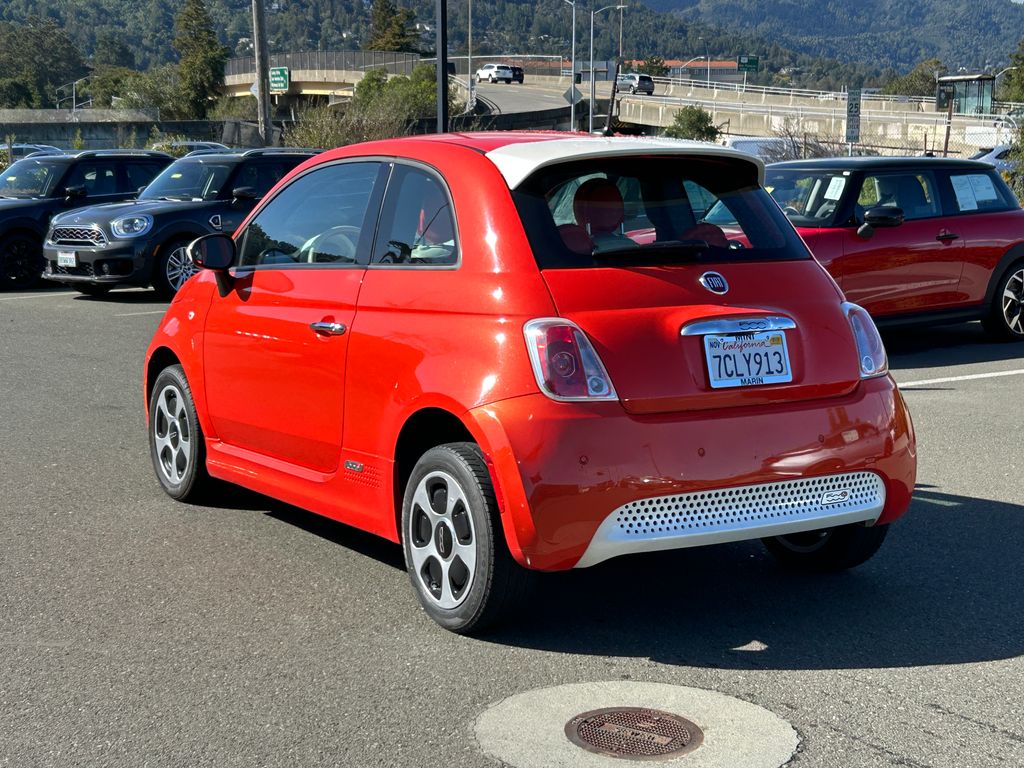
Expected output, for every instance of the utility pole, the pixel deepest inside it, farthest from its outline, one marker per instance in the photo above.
(470, 80)
(442, 66)
(259, 29)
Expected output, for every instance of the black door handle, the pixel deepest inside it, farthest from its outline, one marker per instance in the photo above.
(946, 237)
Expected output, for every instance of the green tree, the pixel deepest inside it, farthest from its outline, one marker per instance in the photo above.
(41, 56)
(391, 28)
(14, 94)
(1013, 83)
(201, 68)
(693, 123)
(920, 81)
(653, 66)
(112, 51)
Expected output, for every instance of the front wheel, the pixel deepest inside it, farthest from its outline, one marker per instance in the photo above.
(632, 89)
(458, 563)
(1005, 319)
(173, 267)
(21, 262)
(176, 442)
(830, 549)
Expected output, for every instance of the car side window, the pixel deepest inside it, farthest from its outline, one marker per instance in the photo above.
(417, 225)
(980, 191)
(99, 177)
(913, 193)
(260, 176)
(319, 219)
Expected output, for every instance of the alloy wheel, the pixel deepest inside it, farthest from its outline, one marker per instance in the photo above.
(180, 267)
(1013, 302)
(172, 435)
(443, 540)
(19, 263)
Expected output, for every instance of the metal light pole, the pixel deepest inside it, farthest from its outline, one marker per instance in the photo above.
(707, 55)
(572, 85)
(470, 80)
(593, 86)
(442, 66)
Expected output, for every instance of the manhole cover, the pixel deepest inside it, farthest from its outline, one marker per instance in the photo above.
(635, 733)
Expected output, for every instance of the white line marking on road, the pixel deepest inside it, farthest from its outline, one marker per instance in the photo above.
(968, 377)
(40, 296)
(137, 314)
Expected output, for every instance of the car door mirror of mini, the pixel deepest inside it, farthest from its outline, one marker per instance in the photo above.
(74, 192)
(244, 193)
(883, 216)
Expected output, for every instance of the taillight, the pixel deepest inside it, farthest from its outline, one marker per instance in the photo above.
(564, 361)
(870, 349)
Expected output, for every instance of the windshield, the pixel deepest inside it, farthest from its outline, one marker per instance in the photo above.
(191, 179)
(31, 178)
(652, 211)
(810, 198)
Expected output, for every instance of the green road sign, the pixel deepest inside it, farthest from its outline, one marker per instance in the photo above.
(280, 79)
(747, 63)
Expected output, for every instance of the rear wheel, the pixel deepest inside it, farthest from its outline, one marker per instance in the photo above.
(457, 560)
(21, 261)
(173, 267)
(91, 289)
(632, 89)
(176, 442)
(1005, 319)
(830, 549)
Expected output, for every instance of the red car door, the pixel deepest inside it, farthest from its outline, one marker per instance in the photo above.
(275, 346)
(913, 267)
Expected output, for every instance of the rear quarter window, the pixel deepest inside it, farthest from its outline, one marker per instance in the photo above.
(980, 192)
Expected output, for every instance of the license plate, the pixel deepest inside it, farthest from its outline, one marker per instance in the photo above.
(67, 259)
(747, 359)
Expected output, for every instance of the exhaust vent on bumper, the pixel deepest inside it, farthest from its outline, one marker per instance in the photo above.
(737, 514)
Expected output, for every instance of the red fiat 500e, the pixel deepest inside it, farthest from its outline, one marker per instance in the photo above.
(530, 351)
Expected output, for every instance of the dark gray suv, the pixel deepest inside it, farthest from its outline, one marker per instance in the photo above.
(635, 83)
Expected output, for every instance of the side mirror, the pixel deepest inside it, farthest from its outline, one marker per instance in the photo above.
(244, 193)
(77, 191)
(865, 230)
(215, 252)
(883, 216)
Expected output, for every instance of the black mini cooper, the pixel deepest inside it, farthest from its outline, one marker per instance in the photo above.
(144, 241)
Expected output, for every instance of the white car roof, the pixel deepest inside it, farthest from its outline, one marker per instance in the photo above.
(518, 161)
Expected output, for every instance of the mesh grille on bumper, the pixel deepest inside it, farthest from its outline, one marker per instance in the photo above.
(77, 236)
(736, 514)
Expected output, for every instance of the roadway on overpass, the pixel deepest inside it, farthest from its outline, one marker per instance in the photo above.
(524, 97)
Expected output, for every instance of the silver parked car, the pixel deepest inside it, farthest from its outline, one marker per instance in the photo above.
(635, 83)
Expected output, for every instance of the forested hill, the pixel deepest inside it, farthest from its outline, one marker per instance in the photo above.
(897, 33)
(145, 27)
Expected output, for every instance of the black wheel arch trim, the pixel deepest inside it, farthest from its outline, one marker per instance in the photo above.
(1012, 256)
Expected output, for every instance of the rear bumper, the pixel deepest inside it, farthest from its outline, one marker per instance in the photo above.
(566, 472)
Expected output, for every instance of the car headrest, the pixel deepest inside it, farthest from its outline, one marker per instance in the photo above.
(598, 206)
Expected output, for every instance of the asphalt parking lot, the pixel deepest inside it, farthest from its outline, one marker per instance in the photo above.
(136, 631)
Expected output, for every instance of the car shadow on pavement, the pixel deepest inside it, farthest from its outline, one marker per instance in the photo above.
(945, 588)
(947, 346)
(126, 296)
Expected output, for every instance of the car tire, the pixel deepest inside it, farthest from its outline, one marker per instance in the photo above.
(90, 289)
(176, 442)
(1005, 319)
(172, 267)
(830, 549)
(455, 551)
(632, 89)
(21, 261)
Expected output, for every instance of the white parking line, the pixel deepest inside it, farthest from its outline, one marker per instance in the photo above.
(137, 314)
(969, 377)
(39, 296)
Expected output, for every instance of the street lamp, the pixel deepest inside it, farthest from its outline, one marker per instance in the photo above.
(688, 62)
(707, 55)
(74, 92)
(572, 85)
(593, 92)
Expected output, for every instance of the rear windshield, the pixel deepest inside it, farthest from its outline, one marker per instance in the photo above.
(651, 211)
(810, 198)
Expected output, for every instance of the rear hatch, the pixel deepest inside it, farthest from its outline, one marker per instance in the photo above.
(694, 289)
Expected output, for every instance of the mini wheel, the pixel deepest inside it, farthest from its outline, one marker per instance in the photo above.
(455, 553)
(21, 261)
(173, 267)
(176, 442)
(828, 549)
(1005, 319)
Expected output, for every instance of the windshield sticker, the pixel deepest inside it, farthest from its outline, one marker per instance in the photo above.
(984, 190)
(835, 188)
(965, 198)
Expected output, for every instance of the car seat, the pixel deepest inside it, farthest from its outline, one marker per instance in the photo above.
(599, 212)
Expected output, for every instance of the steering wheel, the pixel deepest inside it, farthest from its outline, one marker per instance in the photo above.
(337, 243)
(404, 255)
(789, 210)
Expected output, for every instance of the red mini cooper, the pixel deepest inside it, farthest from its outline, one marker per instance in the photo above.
(514, 351)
